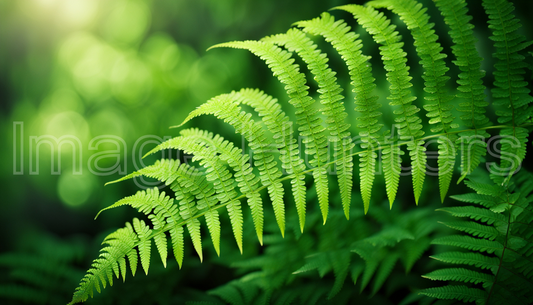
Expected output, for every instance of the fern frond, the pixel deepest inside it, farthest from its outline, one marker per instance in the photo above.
(510, 93)
(296, 41)
(459, 274)
(468, 258)
(407, 121)
(413, 250)
(385, 269)
(349, 46)
(457, 292)
(473, 228)
(511, 264)
(222, 180)
(187, 183)
(471, 88)
(310, 127)
(119, 244)
(476, 213)
(280, 125)
(470, 243)
(144, 243)
(437, 95)
(225, 107)
(496, 235)
(246, 179)
(483, 200)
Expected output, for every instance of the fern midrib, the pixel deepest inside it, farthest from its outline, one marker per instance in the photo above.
(169, 226)
(503, 254)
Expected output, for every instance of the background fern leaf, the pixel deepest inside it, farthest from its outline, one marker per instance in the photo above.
(458, 292)
(459, 274)
(469, 243)
(468, 258)
(510, 93)
(471, 88)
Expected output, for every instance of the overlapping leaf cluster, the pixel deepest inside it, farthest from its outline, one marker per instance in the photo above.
(495, 266)
(226, 176)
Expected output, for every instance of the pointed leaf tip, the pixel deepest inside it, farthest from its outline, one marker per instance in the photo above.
(462, 178)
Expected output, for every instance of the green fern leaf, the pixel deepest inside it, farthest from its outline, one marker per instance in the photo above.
(296, 41)
(468, 258)
(246, 179)
(145, 242)
(459, 274)
(473, 228)
(469, 243)
(437, 98)
(341, 263)
(408, 123)
(385, 269)
(311, 130)
(160, 240)
(471, 88)
(225, 107)
(280, 125)
(483, 200)
(176, 234)
(413, 250)
(511, 92)
(349, 47)
(476, 213)
(223, 184)
(451, 292)
(120, 243)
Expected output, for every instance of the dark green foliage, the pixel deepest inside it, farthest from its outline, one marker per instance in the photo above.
(42, 271)
(499, 244)
(222, 176)
(363, 251)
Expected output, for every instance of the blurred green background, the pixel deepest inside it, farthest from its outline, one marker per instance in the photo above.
(107, 79)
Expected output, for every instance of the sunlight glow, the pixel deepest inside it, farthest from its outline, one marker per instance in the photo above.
(75, 13)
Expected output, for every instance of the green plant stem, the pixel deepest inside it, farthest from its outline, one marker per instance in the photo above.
(168, 226)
